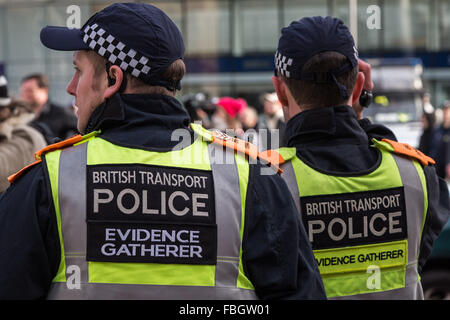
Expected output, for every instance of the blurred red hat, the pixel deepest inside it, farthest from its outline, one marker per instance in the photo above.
(232, 106)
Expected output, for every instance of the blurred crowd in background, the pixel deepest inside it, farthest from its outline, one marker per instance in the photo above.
(235, 117)
(31, 121)
(435, 138)
(28, 123)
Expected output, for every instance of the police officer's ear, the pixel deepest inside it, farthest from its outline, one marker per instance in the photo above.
(115, 80)
(280, 89)
(288, 103)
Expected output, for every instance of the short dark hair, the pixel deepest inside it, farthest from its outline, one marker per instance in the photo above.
(41, 79)
(318, 95)
(174, 73)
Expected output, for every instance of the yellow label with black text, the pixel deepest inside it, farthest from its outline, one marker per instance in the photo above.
(359, 258)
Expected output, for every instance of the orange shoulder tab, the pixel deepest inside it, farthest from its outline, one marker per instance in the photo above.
(407, 150)
(272, 156)
(19, 173)
(38, 154)
(242, 146)
(59, 145)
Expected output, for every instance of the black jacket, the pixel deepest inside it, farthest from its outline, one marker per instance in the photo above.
(55, 122)
(333, 140)
(277, 257)
(440, 150)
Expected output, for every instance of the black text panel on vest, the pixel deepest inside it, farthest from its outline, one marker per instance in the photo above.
(147, 213)
(341, 220)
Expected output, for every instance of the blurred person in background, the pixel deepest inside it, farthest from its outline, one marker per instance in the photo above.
(249, 120)
(272, 119)
(18, 141)
(53, 121)
(427, 106)
(226, 115)
(200, 108)
(439, 150)
(428, 120)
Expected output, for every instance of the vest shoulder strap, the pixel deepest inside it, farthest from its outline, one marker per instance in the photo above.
(52, 147)
(406, 150)
(12, 178)
(278, 156)
(236, 144)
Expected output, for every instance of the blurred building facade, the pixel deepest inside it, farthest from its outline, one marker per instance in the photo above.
(230, 43)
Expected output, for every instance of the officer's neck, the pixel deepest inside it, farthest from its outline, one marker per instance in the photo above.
(294, 108)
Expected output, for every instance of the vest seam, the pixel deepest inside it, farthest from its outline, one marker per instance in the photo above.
(153, 149)
(344, 174)
(145, 165)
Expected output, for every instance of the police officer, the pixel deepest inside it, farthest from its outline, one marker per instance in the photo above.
(371, 208)
(144, 206)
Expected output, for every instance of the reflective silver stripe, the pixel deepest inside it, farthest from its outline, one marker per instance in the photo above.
(288, 175)
(110, 291)
(227, 199)
(414, 199)
(72, 204)
(72, 201)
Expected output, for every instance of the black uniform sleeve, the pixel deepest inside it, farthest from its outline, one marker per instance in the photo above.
(29, 242)
(437, 214)
(277, 255)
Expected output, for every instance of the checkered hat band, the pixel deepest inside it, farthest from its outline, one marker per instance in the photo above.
(115, 51)
(283, 64)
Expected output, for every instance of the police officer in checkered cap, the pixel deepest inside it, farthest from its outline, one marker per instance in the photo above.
(342, 171)
(144, 205)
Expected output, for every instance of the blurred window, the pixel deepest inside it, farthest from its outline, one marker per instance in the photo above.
(173, 9)
(444, 24)
(340, 9)
(406, 24)
(259, 26)
(369, 38)
(294, 10)
(207, 27)
(2, 35)
(23, 51)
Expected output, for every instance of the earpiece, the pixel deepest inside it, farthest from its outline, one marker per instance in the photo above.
(112, 81)
(366, 98)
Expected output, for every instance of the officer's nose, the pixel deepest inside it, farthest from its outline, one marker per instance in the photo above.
(71, 87)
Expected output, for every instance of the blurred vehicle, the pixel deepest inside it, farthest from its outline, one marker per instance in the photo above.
(436, 272)
(398, 97)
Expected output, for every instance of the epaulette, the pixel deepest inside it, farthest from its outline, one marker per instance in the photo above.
(243, 146)
(38, 154)
(407, 150)
(237, 144)
(276, 157)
